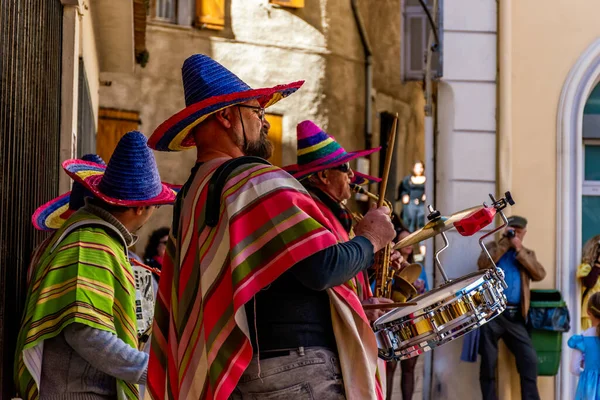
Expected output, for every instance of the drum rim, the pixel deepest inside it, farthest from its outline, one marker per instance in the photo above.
(455, 296)
(423, 346)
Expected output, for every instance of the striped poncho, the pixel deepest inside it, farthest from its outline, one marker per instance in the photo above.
(355, 340)
(83, 277)
(267, 223)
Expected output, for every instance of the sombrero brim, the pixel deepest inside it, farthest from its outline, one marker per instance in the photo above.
(53, 214)
(358, 178)
(174, 133)
(305, 170)
(90, 176)
(364, 179)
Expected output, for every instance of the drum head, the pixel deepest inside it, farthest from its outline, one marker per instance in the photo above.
(433, 296)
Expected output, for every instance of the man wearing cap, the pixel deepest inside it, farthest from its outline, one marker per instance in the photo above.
(520, 267)
(78, 337)
(242, 226)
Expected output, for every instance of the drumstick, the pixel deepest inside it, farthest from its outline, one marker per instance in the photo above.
(388, 305)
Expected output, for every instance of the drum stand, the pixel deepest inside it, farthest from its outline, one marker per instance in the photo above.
(434, 215)
(498, 206)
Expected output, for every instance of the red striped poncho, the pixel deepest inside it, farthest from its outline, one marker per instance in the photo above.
(356, 342)
(268, 223)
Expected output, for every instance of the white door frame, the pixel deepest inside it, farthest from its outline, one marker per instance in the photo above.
(582, 78)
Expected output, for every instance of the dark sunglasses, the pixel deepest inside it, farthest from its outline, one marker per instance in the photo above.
(345, 168)
(163, 242)
(260, 111)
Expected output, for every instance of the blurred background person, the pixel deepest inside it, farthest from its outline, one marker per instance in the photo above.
(588, 272)
(155, 248)
(411, 192)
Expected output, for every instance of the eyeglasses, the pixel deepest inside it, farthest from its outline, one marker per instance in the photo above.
(163, 242)
(260, 111)
(344, 168)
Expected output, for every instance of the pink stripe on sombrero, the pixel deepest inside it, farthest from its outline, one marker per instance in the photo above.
(306, 129)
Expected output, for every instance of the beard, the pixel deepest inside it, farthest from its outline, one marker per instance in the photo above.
(262, 148)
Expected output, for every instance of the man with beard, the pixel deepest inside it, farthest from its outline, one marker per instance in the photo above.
(240, 226)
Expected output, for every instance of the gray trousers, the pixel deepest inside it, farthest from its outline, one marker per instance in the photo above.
(305, 374)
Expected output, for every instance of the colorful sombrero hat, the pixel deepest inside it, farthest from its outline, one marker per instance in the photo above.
(54, 213)
(318, 151)
(131, 178)
(209, 87)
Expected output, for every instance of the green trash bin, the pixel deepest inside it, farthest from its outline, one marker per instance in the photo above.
(548, 319)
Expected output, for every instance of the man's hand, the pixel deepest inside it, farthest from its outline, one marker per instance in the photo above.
(377, 227)
(516, 243)
(372, 315)
(397, 262)
(405, 199)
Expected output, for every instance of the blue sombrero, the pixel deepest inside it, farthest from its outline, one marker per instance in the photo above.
(209, 87)
(53, 214)
(131, 178)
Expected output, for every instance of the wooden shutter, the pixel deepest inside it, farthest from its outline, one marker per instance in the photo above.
(275, 136)
(288, 3)
(112, 125)
(210, 14)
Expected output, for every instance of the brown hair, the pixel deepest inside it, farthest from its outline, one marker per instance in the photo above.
(594, 308)
(590, 251)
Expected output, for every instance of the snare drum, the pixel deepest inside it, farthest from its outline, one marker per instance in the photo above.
(441, 315)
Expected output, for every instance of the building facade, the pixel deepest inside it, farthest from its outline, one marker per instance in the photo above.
(268, 43)
(52, 53)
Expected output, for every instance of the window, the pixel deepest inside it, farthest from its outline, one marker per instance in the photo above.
(210, 14)
(275, 136)
(416, 35)
(165, 11)
(590, 201)
(288, 3)
(86, 124)
(112, 125)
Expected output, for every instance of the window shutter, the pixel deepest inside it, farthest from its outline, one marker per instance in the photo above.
(210, 14)
(288, 3)
(416, 34)
(275, 136)
(112, 125)
(165, 10)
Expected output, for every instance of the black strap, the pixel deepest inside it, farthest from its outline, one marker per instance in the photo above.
(217, 182)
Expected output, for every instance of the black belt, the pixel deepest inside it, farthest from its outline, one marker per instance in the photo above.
(266, 354)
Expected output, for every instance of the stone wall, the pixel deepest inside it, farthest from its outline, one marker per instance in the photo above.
(266, 45)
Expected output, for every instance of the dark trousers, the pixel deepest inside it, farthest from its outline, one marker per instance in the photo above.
(413, 215)
(510, 327)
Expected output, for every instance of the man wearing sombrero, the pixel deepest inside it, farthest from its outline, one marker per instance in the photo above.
(323, 168)
(242, 226)
(78, 338)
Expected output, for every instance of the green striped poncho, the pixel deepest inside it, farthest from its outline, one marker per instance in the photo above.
(85, 278)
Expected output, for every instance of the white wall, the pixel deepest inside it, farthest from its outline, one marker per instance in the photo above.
(466, 158)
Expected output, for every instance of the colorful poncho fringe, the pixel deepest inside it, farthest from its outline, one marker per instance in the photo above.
(85, 278)
(267, 224)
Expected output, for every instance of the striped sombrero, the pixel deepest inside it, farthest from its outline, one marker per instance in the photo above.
(318, 151)
(53, 214)
(131, 178)
(209, 87)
